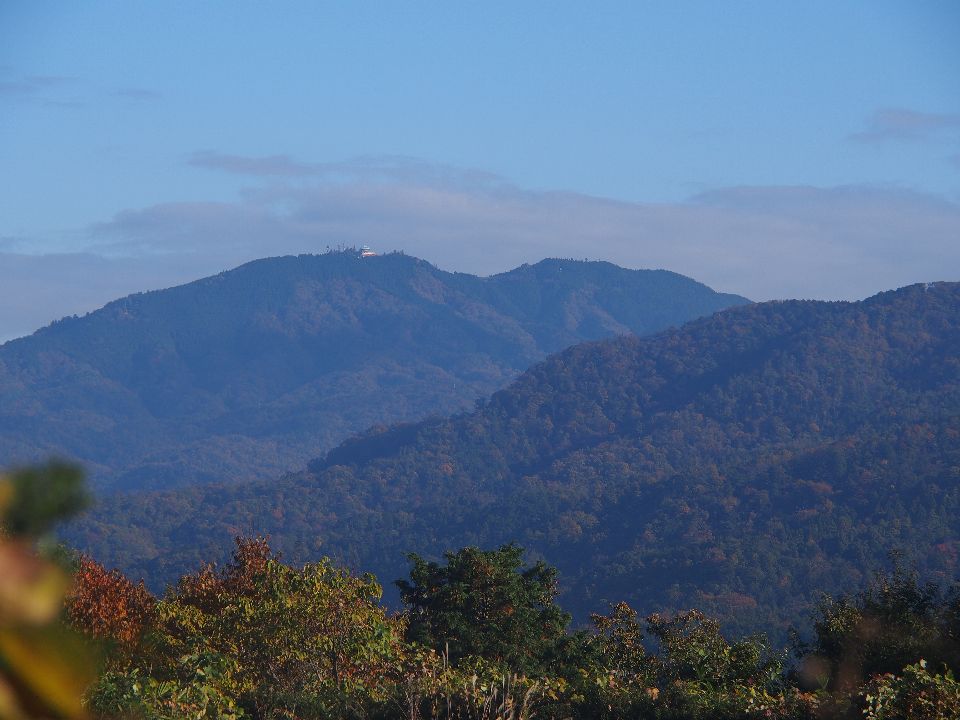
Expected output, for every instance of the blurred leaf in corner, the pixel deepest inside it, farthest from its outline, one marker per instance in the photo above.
(37, 498)
(44, 667)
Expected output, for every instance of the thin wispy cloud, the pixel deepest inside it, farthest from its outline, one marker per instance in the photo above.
(267, 166)
(64, 104)
(42, 81)
(34, 85)
(899, 124)
(16, 88)
(64, 91)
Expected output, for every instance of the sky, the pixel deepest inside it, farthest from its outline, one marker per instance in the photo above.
(776, 150)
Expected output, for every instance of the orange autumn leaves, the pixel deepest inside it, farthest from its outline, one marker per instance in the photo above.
(106, 604)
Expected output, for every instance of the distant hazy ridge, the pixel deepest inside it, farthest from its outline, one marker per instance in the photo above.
(250, 373)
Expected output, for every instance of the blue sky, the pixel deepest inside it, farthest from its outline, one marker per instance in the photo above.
(779, 149)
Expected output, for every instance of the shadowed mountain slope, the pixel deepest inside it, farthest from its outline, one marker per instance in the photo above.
(252, 372)
(735, 464)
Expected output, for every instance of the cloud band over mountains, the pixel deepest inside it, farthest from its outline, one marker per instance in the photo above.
(762, 242)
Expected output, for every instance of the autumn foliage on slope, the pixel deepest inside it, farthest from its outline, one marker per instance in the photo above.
(482, 638)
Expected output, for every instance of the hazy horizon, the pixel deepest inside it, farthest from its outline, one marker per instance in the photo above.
(771, 151)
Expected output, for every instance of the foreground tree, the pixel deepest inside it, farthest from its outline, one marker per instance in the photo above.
(486, 604)
(699, 673)
(261, 638)
(896, 621)
(913, 694)
(695, 673)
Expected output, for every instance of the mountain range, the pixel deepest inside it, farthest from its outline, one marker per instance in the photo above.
(734, 464)
(252, 372)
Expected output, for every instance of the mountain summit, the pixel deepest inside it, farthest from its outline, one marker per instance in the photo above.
(251, 372)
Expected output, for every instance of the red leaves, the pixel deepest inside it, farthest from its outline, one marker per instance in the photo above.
(105, 604)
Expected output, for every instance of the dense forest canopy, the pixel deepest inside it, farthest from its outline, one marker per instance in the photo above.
(252, 372)
(739, 464)
(481, 637)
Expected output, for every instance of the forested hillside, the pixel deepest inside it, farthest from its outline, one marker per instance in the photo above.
(254, 371)
(480, 635)
(733, 465)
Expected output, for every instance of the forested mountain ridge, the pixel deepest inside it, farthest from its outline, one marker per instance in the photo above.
(252, 372)
(734, 464)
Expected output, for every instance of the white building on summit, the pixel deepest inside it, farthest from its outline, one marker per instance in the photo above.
(366, 252)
